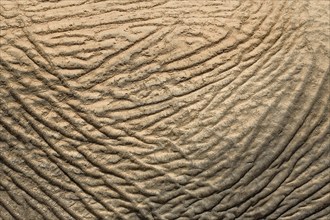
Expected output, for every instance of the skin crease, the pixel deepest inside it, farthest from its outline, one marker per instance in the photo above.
(164, 109)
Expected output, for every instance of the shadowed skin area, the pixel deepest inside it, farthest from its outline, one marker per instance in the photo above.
(164, 109)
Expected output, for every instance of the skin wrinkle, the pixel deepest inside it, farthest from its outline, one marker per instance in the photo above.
(164, 109)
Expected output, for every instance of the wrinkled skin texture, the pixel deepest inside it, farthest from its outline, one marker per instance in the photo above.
(164, 109)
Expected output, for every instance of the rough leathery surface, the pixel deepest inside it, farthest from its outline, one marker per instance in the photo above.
(164, 109)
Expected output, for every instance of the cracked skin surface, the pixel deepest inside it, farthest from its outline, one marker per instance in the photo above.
(164, 109)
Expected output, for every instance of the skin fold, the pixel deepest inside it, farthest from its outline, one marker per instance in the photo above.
(164, 109)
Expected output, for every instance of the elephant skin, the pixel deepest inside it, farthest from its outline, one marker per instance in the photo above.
(164, 109)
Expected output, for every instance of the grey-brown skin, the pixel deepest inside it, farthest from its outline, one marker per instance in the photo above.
(160, 109)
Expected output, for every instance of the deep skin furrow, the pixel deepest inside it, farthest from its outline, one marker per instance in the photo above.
(50, 68)
(108, 207)
(35, 115)
(288, 172)
(47, 83)
(109, 186)
(55, 160)
(233, 105)
(320, 89)
(51, 125)
(83, 27)
(255, 132)
(272, 179)
(301, 121)
(310, 150)
(168, 116)
(30, 111)
(17, 169)
(83, 15)
(311, 211)
(72, 122)
(295, 101)
(319, 212)
(41, 174)
(58, 7)
(37, 209)
(124, 196)
(10, 210)
(243, 83)
(293, 136)
(213, 98)
(289, 191)
(219, 202)
(203, 72)
(113, 172)
(39, 197)
(229, 186)
(293, 205)
(108, 58)
(63, 169)
(217, 53)
(164, 109)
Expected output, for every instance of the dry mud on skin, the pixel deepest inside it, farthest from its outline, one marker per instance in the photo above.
(131, 109)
